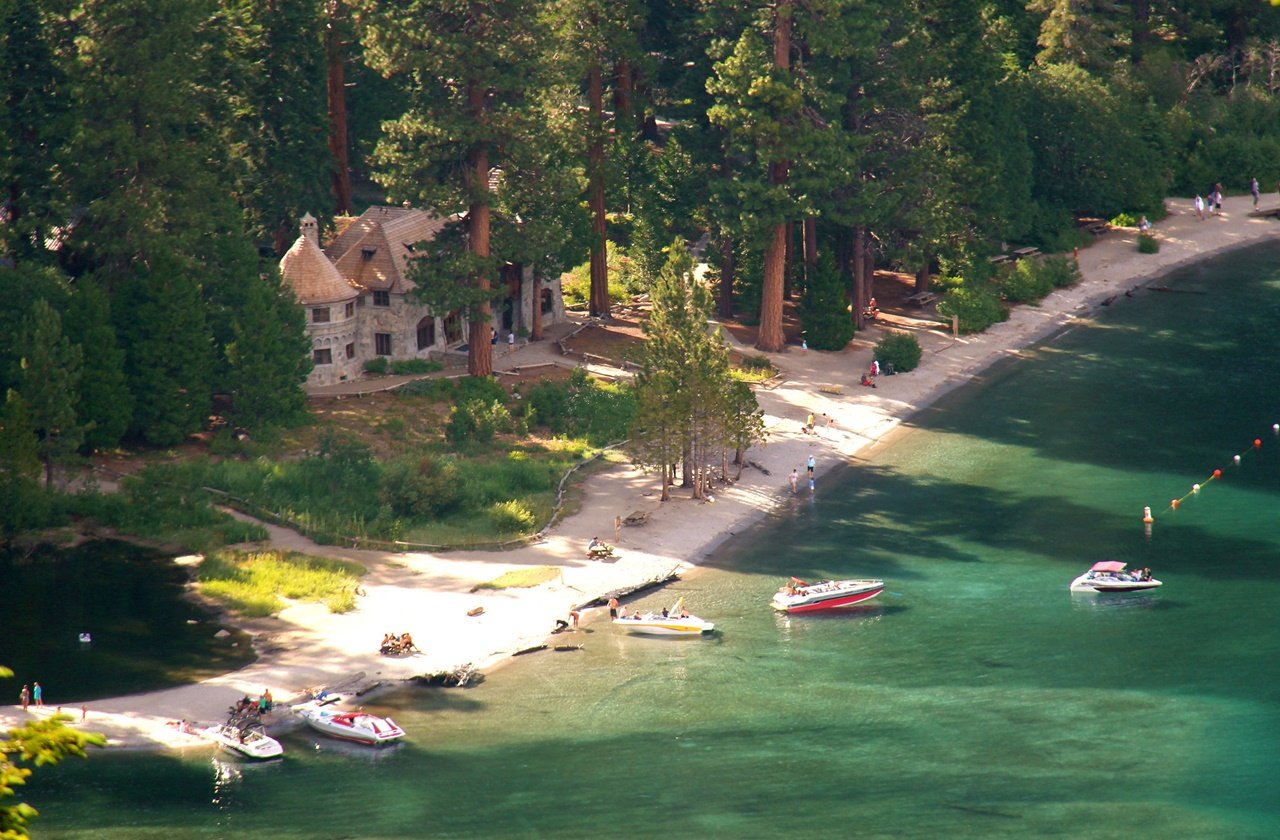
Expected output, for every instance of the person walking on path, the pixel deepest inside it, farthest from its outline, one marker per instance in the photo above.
(795, 480)
(37, 694)
(25, 696)
(1253, 188)
(1200, 208)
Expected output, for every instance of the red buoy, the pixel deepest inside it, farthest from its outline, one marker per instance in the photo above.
(1217, 473)
(1174, 504)
(1256, 443)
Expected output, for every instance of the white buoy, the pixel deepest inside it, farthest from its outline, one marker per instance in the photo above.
(1275, 427)
(1235, 458)
(1146, 516)
(1195, 488)
(86, 638)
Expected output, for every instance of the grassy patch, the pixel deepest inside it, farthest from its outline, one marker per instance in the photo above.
(521, 578)
(253, 583)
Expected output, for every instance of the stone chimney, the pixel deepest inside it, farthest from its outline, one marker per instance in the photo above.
(310, 230)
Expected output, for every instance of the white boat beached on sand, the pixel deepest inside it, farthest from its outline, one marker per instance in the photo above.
(673, 622)
(243, 738)
(360, 727)
(1110, 576)
(800, 597)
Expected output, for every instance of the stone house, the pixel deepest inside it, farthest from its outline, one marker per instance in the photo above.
(356, 291)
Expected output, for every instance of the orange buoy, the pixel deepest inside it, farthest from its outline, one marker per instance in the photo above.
(1257, 442)
(1217, 473)
(1174, 504)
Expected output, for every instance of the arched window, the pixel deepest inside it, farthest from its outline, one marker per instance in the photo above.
(426, 332)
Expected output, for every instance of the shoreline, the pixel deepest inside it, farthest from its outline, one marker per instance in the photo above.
(430, 595)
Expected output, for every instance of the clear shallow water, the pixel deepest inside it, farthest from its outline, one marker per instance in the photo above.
(975, 698)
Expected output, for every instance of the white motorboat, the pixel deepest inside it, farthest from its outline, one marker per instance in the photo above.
(243, 738)
(360, 727)
(1110, 576)
(800, 597)
(673, 622)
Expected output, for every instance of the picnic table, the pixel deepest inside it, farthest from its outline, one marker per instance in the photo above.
(636, 517)
(1029, 251)
(921, 299)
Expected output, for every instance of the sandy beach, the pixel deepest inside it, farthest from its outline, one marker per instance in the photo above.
(430, 596)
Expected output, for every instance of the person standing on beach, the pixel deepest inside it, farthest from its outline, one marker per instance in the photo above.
(795, 480)
(1199, 208)
(37, 694)
(1253, 188)
(25, 695)
(613, 607)
(809, 465)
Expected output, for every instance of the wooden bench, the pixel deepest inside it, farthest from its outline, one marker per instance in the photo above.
(922, 299)
(1022, 253)
(1000, 258)
(636, 517)
(1098, 228)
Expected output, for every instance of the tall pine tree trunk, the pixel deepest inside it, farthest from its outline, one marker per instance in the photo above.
(480, 334)
(599, 298)
(860, 284)
(810, 250)
(771, 338)
(341, 172)
(624, 99)
(789, 264)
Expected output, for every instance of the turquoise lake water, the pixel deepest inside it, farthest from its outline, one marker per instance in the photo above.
(975, 698)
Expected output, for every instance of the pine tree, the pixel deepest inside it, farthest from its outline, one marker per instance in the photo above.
(105, 405)
(474, 69)
(22, 504)
(161, 320)
(824, 310)
(269, 357)
(278, 124)
(49, 382)
(33, 113)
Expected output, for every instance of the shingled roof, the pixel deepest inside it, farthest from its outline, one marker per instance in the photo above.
(308, 271)
(373, 252)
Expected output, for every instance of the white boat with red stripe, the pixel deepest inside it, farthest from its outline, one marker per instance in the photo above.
(1110, 576)
(798, 596)
(360, 727)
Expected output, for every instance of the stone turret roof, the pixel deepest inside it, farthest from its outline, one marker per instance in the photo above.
(373, 252)
(313, 278)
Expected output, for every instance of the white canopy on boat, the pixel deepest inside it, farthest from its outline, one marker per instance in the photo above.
(1107, 566)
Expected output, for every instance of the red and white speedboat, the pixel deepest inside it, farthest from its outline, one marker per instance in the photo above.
(1110, 576)
(361, 727)
(800, 597)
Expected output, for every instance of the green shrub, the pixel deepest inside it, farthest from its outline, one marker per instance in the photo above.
(479, 388)
(378, 365)
(1148, 244)
(405, 366)
(426, 488)
(976, 309)
(824, 312)
(477, 421)
(583, 407)
(1023, 282)
(900, 350)
(757, 362)
(510, 517)
(1125, 220)
(1061, 271)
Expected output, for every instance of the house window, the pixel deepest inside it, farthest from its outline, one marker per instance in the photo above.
(382, 298)
(320, 315)
(382, 343)
(426, 332)
(548, 302)
(351, 350)
(367, 253)
(453, 328)
(351, 310)
(322, 357)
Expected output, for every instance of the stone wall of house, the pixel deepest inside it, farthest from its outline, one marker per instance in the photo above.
(334, 336)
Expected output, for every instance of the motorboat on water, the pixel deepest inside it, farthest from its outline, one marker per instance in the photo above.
(243, 738)
(673, 622)
(797, 596)
(1110, 576)
(360, 727)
